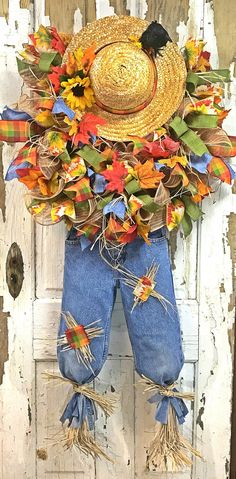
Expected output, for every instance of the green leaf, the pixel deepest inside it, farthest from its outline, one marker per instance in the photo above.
(186, 225)
(192, 188)
(21, 65)
(192, 209)
(92, 157)
(46, 60)
(132, 187)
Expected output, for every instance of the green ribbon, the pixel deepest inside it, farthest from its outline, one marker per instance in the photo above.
(188, 137)
(92, 157)
(205, 78)
(104, 201)
(132, 187)
(148, 203)
(46, 60)
(65, 157)
(201, 120)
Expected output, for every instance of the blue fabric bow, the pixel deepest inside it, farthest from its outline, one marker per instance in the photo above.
(61, 107)
(163, 404)
(79, 409)
(99, 184)
(84, 242)
(13, 168)
(10, 114)
(200, 163)
(116, 207)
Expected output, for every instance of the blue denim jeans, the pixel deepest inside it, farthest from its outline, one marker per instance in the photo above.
(89, 293)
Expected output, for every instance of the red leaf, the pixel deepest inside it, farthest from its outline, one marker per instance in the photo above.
(170, 145)
(156, 149)
(116, 176)
(129, 236)
(88, 126)
(163, 148)
(55, 76)
(57, 43)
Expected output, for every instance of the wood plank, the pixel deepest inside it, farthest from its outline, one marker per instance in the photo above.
(50, 260)
(169, 13)
(217, 309)
(51, 400)
(62, 14)
(116, 434)
(17, 445)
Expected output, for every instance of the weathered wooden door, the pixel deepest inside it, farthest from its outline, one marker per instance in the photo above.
(204, 277)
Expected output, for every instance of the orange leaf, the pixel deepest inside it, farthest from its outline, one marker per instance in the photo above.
(88, 57)
(30, 176)
(147, 175)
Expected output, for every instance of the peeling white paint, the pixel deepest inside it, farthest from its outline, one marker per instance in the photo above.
(207, 352)
(103, 9)
(78, 21)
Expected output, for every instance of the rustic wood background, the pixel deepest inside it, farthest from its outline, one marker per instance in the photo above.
(204, 274)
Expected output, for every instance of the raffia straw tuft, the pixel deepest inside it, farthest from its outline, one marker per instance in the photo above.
(169, 451)
(106, 403)
(81, 438)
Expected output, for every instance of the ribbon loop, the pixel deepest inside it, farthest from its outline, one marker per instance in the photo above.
(164, 401)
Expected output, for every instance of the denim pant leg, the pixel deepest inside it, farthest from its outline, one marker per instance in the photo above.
(154, 330)
(88, 294)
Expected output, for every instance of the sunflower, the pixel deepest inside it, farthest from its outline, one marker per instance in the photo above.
(78, 93)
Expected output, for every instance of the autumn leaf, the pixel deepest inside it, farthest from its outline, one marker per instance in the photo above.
(174, 160)
(170, 145)
(87, 126)
(88, 57)
(129, 236)
(142, 228)
(54, 77)
(57, 42)
(147, 175)
(115, 176)
(45, 103)
(203, 190)
(30, 176)
(45, 118)
(156, 149)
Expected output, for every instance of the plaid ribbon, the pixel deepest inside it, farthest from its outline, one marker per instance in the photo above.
(26, 153)
(13, 131)
(90, 231)
(218, 168)
(77, 337)
(82, 190)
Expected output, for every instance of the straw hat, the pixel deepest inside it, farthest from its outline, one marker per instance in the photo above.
(134, 93)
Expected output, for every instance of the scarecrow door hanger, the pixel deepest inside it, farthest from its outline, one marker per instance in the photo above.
(202, 267)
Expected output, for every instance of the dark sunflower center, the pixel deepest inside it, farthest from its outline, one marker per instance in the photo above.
(78, 90)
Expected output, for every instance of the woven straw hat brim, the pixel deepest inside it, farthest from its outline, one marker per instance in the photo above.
(171, 73)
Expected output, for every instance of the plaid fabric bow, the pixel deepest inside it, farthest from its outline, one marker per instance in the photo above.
(13, 131)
